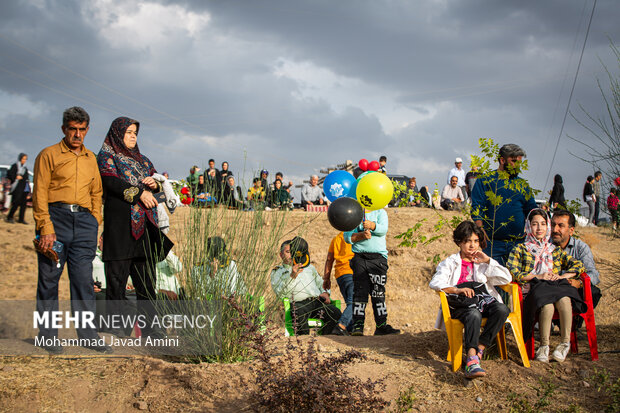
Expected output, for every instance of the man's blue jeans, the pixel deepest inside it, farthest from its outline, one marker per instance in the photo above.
(345, 283)
(77, 231)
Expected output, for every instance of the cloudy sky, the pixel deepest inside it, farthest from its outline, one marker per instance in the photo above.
(297, 86)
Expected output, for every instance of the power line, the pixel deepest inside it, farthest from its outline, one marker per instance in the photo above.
(101, 85)
(112, 108)
(570, 97)
(564, 79)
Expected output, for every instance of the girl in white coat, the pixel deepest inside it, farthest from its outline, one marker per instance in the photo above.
(469, 278)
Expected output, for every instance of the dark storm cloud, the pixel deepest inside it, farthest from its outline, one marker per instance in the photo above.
(468, 69)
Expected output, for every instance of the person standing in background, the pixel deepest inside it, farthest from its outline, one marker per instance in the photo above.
(20, 188)
(382, 162)
(590, 199)
(224, 174)
(557, 200)
(596, 185)
(470, 179)
(460, 174)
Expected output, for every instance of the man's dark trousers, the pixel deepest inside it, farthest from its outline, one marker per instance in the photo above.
(18, 202)
(314, 308)
(597, 210)
(77, 231)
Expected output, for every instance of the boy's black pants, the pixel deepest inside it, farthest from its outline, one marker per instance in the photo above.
(369, 278)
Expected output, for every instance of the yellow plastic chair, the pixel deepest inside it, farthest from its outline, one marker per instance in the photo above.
(454, 329)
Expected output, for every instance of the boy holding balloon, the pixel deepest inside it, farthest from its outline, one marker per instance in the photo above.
(369, 265)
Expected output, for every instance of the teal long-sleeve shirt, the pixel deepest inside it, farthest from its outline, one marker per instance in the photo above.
(376, 243)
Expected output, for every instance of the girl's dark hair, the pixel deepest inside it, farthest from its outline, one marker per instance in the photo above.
(536, 212)
(465, 230)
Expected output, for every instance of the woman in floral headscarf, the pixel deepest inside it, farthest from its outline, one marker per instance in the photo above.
(551, 276)
(132, 242)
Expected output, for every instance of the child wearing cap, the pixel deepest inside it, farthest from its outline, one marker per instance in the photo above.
(298, 280)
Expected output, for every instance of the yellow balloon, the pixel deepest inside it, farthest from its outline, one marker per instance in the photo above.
(374, 191)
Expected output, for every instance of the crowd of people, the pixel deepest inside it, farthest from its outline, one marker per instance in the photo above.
(505, 242)
(510, 241)
(457, 193)
(219, 187)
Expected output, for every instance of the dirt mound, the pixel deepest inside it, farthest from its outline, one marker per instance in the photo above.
(413, 362)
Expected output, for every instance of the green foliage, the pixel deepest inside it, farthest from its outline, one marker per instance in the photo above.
(456, 220)
(435, 259)
(494, 199)
(406, 400)
(609, 388)
(573, 206)
(545, 392)
(402, 194)
(490, 154)
(252, 242)
(413, 237)
(523, 404)
(493, 179)
(496, 180)
(178, 185)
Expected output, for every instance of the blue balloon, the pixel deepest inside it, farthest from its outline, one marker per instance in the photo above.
(353, 191)
(338, 184)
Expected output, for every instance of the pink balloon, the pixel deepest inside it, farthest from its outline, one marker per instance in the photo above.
(363, 164)
(374, 166)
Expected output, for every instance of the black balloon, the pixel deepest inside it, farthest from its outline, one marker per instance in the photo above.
(345, 214)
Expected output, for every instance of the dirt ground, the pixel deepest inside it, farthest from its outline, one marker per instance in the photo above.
(413, 362)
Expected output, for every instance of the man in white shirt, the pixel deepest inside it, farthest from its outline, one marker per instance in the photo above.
(312, 194)
(452, 197)
(460, 174)
(301, 283)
